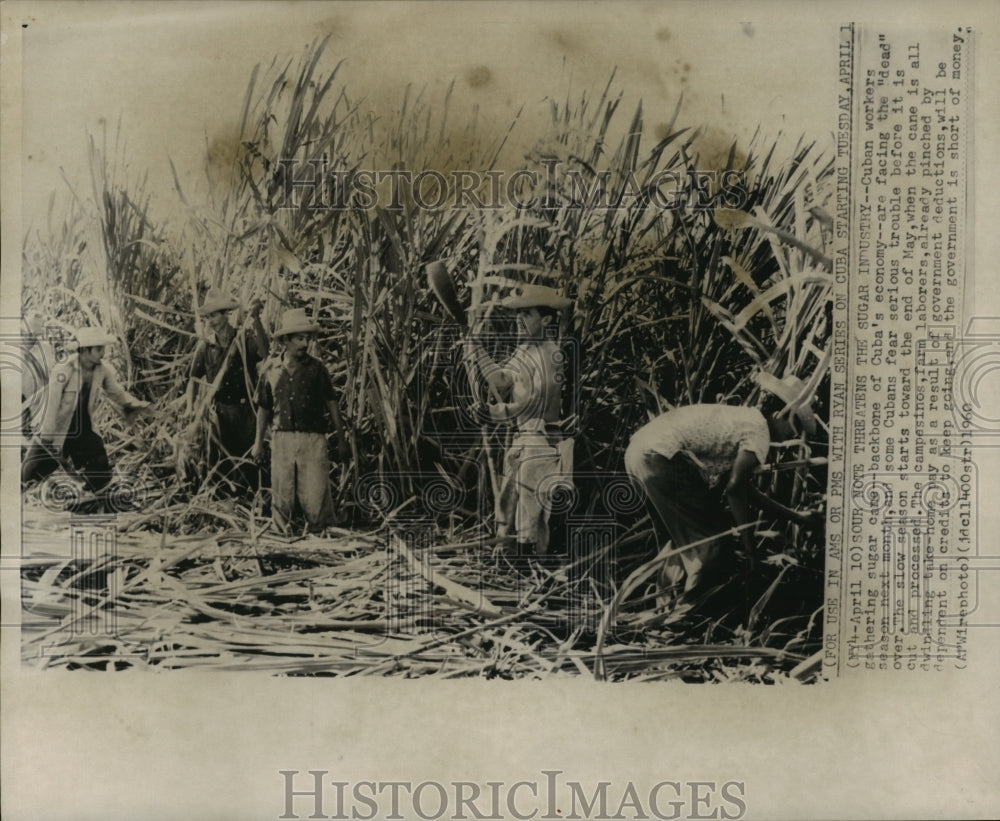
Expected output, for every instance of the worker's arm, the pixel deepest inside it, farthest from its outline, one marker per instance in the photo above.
(126, 402)
(263, 420)
(58, 383)
(738, 493)
(260, 337)
(496, 376)
(196, 378)
(776, 508)
(265, 412)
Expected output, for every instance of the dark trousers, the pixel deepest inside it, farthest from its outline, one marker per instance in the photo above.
(85, 450)
(685, 510)
(231, 443)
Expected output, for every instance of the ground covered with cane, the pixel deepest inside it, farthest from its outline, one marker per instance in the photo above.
(693, 263)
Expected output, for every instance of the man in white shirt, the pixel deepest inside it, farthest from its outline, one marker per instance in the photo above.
(695, 464)
(67, 429)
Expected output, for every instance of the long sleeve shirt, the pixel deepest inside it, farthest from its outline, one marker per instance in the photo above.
(65, 384)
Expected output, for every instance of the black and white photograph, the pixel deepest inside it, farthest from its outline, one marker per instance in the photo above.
(491, 370)
(399, 388)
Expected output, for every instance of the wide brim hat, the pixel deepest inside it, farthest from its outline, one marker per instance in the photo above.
(215, 301)
(794, 393)
(536, 296)
(295, 321)
(92, 337)
(35, 321)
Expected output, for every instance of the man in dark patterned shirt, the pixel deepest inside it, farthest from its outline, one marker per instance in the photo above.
(226, 362)
(296, 394)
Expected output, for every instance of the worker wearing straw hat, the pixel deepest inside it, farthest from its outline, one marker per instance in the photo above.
(539, 460)
(296, 394)
(67, 428)
(227, 361)
(696, 461)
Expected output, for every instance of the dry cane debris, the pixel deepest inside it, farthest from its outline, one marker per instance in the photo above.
(672, 306)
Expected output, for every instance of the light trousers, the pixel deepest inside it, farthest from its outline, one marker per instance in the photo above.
(300, 473)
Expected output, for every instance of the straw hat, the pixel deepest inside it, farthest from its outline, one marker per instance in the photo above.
(92, 337)
(295, 321)
(792, 391)
(215, 302)
(35, 322)
(536, 296)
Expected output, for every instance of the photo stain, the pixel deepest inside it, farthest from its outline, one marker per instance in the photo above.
(663, 34)
(478, 76)
(713, 147)
(562, 39)
(224, 148)
(334, 26)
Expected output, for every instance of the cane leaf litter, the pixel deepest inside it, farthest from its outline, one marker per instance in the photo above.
(672, 306)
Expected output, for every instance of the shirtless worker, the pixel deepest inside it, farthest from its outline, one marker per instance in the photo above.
(296, 394)
(67, 428)
(529, 387)
(696, 463)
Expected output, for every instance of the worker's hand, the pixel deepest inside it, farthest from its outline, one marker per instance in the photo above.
(477, 410)
(139, 409)
(255, 308)
(499, 411)
(257, 451)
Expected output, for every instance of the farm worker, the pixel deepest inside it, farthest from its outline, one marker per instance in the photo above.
(38, 358)
(226, 363)
(296, 394)
(529, 390)
(695, 464)
(67, 430)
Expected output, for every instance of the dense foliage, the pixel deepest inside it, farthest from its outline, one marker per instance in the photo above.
(678, 298)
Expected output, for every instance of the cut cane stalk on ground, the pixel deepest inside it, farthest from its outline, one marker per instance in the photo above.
(671, 307)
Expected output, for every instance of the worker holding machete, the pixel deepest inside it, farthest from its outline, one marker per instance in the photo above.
(226, 364)
(527, 393)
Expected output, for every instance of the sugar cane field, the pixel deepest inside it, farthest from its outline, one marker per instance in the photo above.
(693, 264)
